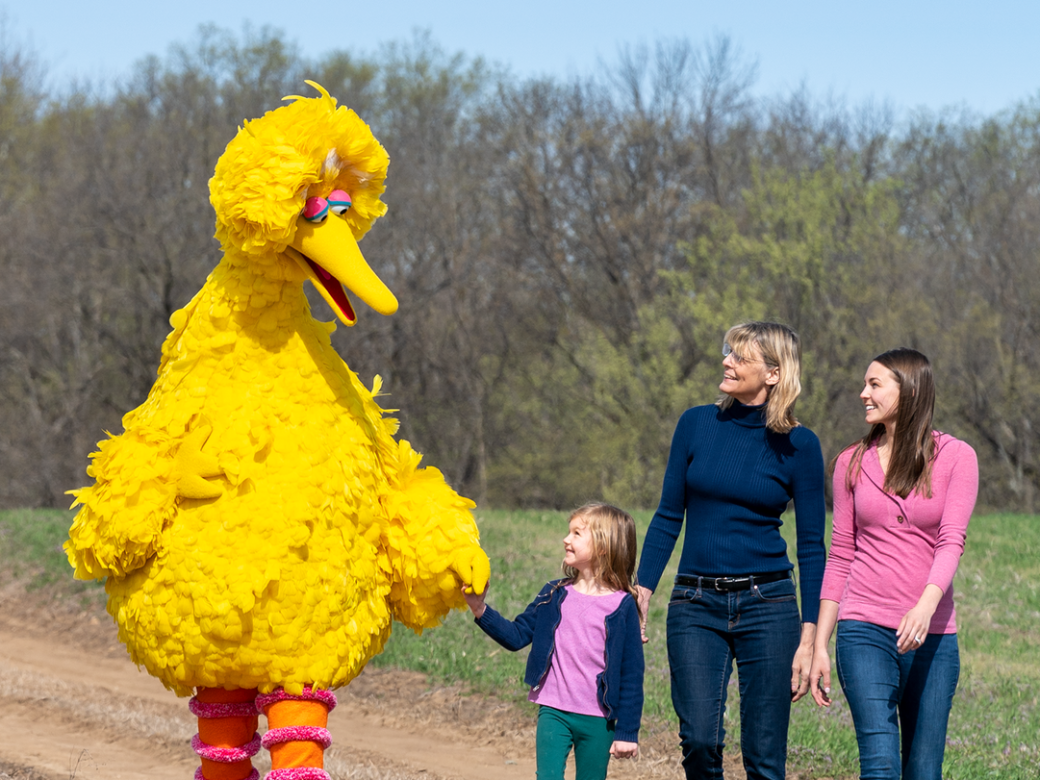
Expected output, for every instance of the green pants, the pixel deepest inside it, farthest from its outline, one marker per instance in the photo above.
(558, 731)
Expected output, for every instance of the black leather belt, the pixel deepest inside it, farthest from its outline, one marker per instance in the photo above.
(726, 584)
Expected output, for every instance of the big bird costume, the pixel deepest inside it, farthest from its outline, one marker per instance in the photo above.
(258, 524)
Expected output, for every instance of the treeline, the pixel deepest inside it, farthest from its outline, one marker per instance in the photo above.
(567, 255)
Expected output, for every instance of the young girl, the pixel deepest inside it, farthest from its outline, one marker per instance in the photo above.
(903, 496)
(586, 663)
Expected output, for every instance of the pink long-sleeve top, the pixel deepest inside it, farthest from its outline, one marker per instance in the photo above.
(886, 549)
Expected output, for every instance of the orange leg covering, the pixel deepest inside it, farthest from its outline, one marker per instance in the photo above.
(297, 735)
(226, 724)
(297, 713)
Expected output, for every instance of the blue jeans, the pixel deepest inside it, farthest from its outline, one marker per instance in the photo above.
(761, 629)
(887, 691)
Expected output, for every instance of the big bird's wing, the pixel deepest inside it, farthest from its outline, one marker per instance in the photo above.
(433, 544)
(139, 475)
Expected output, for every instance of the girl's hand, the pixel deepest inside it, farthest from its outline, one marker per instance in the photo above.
(913, 628)
(622, 749)
(475, 601)
(643, 598)
(820, 677)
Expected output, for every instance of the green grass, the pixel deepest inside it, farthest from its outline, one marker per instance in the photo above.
(30, 551)
(30, 544)
(995, 724)
(994, 727)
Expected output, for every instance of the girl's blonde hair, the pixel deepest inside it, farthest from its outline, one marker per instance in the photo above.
(780, 349)
(613, 533)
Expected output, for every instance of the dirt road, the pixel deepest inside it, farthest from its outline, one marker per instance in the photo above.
(68, 710)
(72, 705)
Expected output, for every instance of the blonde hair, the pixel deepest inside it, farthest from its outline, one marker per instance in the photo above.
(613, 534)
(780, 349)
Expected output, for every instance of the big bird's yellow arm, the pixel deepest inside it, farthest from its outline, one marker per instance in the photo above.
(139, 476)
(425, 513)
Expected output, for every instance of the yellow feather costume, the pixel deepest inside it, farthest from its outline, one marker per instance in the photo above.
(257, 523)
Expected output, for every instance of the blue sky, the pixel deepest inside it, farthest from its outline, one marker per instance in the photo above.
(983, 56)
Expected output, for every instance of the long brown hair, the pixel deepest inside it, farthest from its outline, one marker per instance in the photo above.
(910, 464)
(780, 349)
(613, 533)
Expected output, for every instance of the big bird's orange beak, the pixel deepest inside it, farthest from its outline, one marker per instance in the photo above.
(329, 255)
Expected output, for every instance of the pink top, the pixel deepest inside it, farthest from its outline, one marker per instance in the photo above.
(579, 654)
(886, 549)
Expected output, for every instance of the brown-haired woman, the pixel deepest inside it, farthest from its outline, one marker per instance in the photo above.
(732, 471)
(903, 496)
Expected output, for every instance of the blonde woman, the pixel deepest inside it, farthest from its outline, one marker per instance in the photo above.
(733, 468)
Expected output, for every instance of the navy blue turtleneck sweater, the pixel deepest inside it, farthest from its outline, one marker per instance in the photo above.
(732, 478)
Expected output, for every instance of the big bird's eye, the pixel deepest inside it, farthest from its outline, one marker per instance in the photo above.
(316, 210)
(339, 202)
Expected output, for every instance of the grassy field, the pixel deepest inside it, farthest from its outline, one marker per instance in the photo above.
(995, 724)
(30, 551)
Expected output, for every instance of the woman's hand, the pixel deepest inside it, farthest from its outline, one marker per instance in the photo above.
(643, 599)
(820, 677)
(475, 601)
(802, 663)
(820, 673)
(913, 628)
(624, 749)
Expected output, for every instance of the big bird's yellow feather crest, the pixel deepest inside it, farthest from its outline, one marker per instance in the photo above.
(306, 148)
(257, 523)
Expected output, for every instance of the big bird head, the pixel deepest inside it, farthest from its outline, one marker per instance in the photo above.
(294, 193)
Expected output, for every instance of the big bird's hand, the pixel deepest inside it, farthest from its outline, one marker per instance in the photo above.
(472, 566)
(192, 467)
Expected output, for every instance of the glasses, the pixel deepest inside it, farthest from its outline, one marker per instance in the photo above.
(727, 350)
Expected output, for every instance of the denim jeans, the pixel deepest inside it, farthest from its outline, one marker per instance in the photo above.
(887, 691)
(707, 630)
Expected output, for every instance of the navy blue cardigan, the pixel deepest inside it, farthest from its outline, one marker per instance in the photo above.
(620, 685)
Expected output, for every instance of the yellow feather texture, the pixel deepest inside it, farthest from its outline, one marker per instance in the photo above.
(257, 523)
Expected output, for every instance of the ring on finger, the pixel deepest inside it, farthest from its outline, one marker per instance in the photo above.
(918, 639)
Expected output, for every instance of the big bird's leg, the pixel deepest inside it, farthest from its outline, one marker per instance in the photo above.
(227, 737)
(297, 735)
